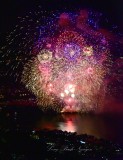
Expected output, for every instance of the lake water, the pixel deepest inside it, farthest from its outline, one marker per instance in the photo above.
(102, 126)
(108, 126)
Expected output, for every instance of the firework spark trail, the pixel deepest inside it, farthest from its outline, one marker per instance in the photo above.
(65, 60)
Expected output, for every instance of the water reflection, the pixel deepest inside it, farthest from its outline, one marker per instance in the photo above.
(69, 123)
(101, 126)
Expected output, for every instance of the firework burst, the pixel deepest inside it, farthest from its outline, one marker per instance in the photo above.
(65, 61)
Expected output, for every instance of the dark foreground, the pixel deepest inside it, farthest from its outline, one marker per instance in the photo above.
(49, 145)
(23, 136)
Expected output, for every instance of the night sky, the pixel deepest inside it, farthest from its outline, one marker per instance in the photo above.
(10, 10)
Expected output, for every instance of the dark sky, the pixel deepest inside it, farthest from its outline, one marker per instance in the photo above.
(11, 9)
